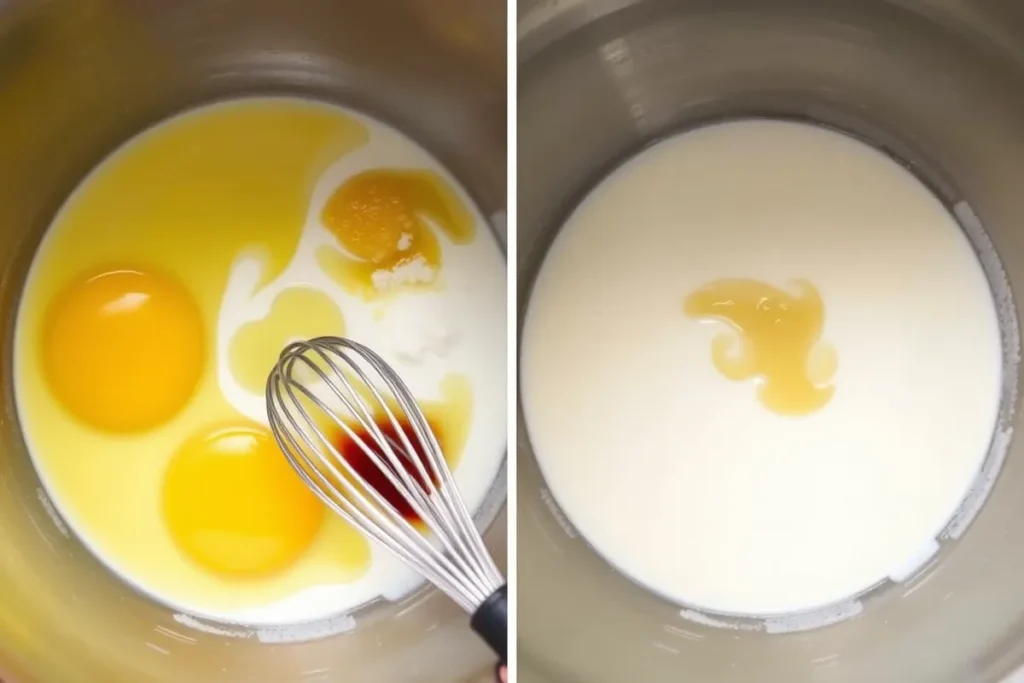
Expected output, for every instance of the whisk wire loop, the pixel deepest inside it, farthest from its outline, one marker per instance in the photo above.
(334, 385)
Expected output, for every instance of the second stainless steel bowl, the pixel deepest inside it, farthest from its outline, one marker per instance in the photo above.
(940, 85)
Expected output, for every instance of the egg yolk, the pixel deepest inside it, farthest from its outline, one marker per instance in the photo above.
(233, 504)
(123, 350)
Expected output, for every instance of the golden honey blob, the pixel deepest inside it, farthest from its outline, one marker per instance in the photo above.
(378, 218)
(777, 339)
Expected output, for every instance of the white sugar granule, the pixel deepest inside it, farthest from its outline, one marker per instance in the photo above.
(414, 271)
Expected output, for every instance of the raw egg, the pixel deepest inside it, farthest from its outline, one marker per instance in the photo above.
(233, 504)
(123, 349)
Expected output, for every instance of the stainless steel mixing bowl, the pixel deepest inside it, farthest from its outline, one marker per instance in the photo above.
(937, 83)
(77, 78)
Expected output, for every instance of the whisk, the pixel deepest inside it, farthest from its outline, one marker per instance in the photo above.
(332, 383)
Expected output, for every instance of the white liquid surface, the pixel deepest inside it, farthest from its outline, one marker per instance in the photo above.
(680, 477)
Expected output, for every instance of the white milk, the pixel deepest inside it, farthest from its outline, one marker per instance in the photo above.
(680, 477)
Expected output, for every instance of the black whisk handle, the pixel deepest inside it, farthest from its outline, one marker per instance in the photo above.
(490, 621)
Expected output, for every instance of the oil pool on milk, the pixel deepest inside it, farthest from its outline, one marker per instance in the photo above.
(158, 302)
(761, 368)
